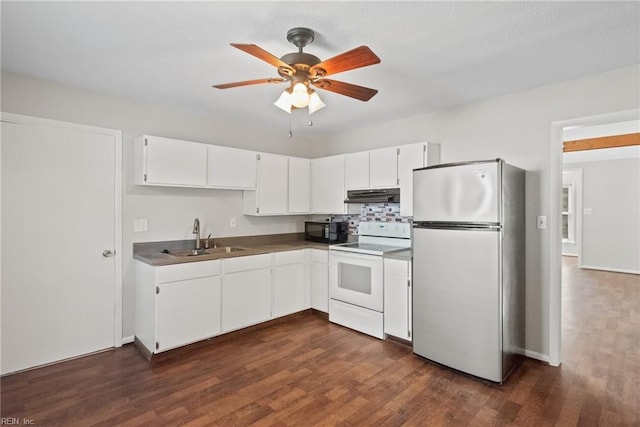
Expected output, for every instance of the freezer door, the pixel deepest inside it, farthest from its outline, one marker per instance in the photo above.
(456, 300)
(461, 193)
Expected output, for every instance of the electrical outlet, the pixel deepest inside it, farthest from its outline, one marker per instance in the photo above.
(232, 223)
(542, 222)
(140, 225)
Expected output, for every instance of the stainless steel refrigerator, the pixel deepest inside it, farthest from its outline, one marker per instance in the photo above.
(468, 266)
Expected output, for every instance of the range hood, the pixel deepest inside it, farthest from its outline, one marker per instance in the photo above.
(380, 195)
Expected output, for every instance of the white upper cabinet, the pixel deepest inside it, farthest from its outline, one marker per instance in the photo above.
(410, 157)
(299, 185)
(169, 162)
(231, 168)
(383, 168)
(327, 185)
(270, 197)
(356, 170)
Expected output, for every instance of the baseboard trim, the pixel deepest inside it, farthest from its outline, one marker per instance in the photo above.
(613, 270)
(128, 340)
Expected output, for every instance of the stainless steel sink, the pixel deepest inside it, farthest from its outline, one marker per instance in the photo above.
(203, 252)
(225, 250)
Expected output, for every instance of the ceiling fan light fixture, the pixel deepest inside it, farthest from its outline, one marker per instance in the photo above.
(315, 103)
(284, 102)
(300, 95)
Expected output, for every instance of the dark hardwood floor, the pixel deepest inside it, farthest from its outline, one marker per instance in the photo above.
(308, 372)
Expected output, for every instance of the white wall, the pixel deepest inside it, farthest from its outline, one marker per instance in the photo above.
(518, 128)
(611, 223)
(170, 211)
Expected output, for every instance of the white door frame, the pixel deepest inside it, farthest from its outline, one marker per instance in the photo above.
(117, 135)
(555, 231)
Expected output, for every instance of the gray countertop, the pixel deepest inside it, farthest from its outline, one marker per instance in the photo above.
(405, 254)
(152, 252)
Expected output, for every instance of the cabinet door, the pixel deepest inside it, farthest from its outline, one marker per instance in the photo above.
(174, 163)
(272, 184)
(231, 168)
(410, 157)
(320, 280)
(356, 170)
(383, 168)
(327, 185)
(288, 289)
(246, 297)
(397, 299)
(187, 311)
(299, 185)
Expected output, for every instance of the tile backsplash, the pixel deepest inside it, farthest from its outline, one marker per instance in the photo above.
(373, 212)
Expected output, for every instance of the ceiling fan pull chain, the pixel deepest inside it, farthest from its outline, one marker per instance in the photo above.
(290, 132)
(310, 122)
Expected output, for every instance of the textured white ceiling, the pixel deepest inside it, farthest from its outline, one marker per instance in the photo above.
(434, 54)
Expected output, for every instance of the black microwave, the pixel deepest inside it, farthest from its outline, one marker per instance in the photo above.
(326, 232)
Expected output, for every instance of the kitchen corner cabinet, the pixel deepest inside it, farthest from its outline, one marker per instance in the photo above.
(231, 168)
(270, 196)
(397, 298)
(410, 157)
(299, 186)
(177, 304)
(169, 162)
(328, 185)
(289, 288)
(319, 279)
(246, 291)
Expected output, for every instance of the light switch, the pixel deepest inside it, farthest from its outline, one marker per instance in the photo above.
(140, 225)
(541, 222)
(232, 223)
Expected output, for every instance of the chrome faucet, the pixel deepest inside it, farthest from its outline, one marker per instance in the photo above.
(196, 231)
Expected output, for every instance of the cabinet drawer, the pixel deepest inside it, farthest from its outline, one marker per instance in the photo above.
(244, 263)
(192, 270)
(289, 257)
(319, 255)
(397, 267)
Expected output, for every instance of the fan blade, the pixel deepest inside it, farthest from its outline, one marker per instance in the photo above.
(249, 82)
(355, 58)
(260, 53)
(354, 91)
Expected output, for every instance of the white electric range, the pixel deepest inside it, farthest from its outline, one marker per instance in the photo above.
(356, 275)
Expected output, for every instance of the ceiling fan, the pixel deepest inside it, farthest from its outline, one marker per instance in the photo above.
(303, 70)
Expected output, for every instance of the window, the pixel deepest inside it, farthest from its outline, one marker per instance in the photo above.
(568, 213)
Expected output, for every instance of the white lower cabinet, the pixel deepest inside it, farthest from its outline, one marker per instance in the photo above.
(187, 311)
(176, 304)
(319, 278)
(397, 298)
(180, 304)
(288, 283)
(246, 291)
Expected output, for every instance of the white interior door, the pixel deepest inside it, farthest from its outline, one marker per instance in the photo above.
(59, 214)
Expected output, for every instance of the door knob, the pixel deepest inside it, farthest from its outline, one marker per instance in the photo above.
(108, 253)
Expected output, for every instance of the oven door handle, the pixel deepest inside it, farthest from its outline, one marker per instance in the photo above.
(338, 254)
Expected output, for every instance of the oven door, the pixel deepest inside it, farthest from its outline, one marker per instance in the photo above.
(356, 279)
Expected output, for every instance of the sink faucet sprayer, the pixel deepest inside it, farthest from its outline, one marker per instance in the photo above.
(196, 231)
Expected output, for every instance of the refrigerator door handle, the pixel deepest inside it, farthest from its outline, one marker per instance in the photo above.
(437, 225)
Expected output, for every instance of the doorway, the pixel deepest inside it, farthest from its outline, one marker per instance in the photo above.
(555, 235)
(61, 240)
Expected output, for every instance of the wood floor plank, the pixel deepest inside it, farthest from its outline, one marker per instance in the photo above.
(309, 372)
